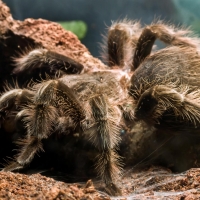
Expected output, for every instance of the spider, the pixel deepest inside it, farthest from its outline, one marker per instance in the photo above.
(159, 88)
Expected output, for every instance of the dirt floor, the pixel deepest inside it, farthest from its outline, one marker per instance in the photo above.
(151, 183)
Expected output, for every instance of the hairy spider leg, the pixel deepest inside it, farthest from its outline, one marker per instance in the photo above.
(11, 101)
(117, 41)
(39, 62)
(14, 97)
(165, 33)
(183, 107)
(121, 40)
(106, 139)
(144, 47)
(42, 115)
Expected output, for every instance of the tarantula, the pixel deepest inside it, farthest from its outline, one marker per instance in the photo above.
(160, 88)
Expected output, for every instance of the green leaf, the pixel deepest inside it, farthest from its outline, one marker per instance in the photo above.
(79, 28)
(196, 26)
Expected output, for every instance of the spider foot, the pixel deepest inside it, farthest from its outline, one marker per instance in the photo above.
(113, 190)
(12, 167)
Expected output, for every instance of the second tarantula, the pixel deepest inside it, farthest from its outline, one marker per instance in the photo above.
(161, 88)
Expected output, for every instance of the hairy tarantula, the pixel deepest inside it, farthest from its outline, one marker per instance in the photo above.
(160, 88)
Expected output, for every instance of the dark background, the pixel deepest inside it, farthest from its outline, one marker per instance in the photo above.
(99, 14)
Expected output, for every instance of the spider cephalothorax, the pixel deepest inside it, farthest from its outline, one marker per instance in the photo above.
(161, 89)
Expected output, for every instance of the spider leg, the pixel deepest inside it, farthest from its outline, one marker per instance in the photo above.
(26, 154)
(41, 117)
(105, 136)
(39, 62)
(121, 40)
(14, 97)
(10, 102)
(164, 106)
(166, 34)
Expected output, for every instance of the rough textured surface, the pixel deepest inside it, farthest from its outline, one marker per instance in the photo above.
(152, 183)
(18, 186)
(19, 36)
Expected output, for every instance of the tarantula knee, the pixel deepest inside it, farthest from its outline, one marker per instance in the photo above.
(159, 99)
(11, 100)
(41, 61)
(156, 100)
(56, 93)
(8, 99)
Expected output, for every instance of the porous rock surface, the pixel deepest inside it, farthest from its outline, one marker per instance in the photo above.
(19, 36)
(150, 183)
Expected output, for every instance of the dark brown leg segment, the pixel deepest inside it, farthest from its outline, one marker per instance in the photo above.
(167, 34)
(144, 47)
(37, 63)
(121, 41)
(182, 106)
(41, 117)
(106, 139)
